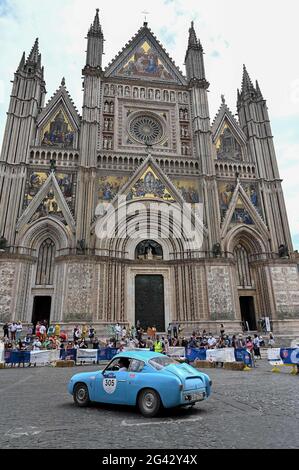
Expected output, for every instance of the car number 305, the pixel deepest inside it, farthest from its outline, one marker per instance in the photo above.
(109, 385)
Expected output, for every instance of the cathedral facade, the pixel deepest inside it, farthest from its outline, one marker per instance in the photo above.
(97, 210)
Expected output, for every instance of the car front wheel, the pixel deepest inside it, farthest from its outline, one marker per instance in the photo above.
(149, 403)
(81, 395)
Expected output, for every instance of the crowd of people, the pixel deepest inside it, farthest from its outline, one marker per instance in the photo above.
(46, 337)
(136, 337)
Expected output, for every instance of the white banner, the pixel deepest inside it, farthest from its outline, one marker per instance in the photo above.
(2, 353)
(176, 352)
(274, 357)
(221, 355)
(44, 357)
(268, 325)
(87, 355)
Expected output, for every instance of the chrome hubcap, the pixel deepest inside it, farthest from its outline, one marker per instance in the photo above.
(81, 394)
(149, 400)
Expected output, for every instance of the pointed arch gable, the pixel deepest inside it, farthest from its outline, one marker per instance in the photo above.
(50, 184)
(32, 236)
(240, 194)
(60, 104)
(248, 236)
(162, 60)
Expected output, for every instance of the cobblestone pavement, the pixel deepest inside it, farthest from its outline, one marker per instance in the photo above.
(256, 409)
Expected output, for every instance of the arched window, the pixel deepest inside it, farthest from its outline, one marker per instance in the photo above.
(45, 263)
(243, 268)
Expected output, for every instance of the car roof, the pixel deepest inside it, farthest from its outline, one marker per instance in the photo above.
(139, 354)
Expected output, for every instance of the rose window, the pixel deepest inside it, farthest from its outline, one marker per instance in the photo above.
(146, 130)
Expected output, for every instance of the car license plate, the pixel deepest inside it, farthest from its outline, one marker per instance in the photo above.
(195, 396)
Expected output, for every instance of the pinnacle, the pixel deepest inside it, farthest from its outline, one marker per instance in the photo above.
(34, 56)
(95, 28)
(192, 36)
(247, 86)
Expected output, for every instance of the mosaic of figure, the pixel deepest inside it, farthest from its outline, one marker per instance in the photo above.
(226, 191)
(228, 148)
(58, 133)
(189, 190)
(65, 182)
(251, 191)
(35, 182)
(109, 186)
(240, 215)
(149, 186)
(146, 63)
(49, 207)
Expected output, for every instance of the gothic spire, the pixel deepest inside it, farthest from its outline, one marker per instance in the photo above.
(258, 91)
(34, 56)
(247, 86)
(194, 57)
(95, 28)
(193, 41)
(22, 62)
(95, 44)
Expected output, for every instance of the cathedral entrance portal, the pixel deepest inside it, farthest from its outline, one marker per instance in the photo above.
(41, 309)
(149, 301)
(248, 313)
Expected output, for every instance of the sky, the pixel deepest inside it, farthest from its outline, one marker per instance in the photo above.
(261, 34)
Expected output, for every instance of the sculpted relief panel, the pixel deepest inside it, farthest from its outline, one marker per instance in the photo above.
(286, 291)
(7, 279)
(220, 295)
(79, 292)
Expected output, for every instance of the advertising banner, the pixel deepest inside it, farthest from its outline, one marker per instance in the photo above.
(87, 355)
(274, 357)
(242, 355)
(2, 359)
(221, 355)
(176, 352)
(290, 356)
(193, 354)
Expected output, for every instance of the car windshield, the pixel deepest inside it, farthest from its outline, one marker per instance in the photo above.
(160, 362)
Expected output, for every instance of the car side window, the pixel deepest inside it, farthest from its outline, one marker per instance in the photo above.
(136, 366)
(113, 366)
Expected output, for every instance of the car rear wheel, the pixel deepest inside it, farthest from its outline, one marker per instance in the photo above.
(81, 395)
(149, 403)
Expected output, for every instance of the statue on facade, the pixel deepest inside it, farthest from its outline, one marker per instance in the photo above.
(283, 251)
(53, 165)
(216, 250)
(81, 246)
(3, 243)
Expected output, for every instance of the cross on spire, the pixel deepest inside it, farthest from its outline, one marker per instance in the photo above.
(145, 13)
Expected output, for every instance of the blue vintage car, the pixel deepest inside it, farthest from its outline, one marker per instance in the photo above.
(143, 378)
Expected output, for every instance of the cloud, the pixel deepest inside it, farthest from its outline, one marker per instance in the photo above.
(267, 48)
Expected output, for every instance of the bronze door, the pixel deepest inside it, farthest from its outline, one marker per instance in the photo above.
(149, 301)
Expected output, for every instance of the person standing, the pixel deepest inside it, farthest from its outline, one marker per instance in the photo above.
(13, 329)
(271, 341)
(42, 332)
(256, 346)
(118, 331)
(6, 330)
(91, 333)
(222, 330)
(19, 329)
(240, 342)
(158, 345)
